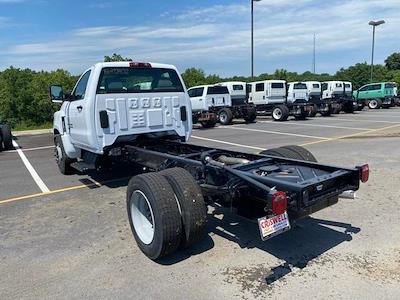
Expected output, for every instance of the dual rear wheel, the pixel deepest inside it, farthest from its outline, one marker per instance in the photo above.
(166, 211)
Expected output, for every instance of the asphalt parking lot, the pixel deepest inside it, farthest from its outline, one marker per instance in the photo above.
(68, 237)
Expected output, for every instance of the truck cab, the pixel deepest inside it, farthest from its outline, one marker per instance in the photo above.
(226, 100)
(117, 103)
(267, 92)
(271, 97)
(237, 90)
(376, 95)
(314, 90)
(297, 92)
(335, 93)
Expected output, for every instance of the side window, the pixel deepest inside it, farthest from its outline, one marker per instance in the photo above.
(375, 87)
(364, 88)
(199, 92)
(324, 86)
(192, 92)
(259, 87)
(79, 92)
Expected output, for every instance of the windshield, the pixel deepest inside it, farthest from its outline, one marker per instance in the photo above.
(347, 85)
(300, 86)
(277, 85)
(138, 80)
(339, 85)
(217, 90)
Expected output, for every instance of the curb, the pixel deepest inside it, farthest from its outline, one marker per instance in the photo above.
(31, 132)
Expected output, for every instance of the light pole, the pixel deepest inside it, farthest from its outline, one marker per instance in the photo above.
(374, 24)
(252, 36)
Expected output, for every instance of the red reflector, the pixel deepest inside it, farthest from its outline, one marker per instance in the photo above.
(139, 65)
(364, 173)
(279, 203)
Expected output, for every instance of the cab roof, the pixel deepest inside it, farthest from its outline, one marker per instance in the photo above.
(127, 64)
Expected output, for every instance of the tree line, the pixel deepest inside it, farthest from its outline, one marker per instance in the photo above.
(24, 100)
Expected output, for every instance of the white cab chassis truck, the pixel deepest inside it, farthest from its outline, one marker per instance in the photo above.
(271, 97)
(224, 100)
(140, 114)
(335, 93)
(314, 90)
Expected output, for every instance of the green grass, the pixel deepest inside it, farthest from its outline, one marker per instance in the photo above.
(23, 127)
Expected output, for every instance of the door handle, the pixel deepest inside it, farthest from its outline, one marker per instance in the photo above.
(79, 108)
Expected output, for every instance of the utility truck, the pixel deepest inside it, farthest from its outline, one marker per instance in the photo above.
(271, 97)
(334, 92)
(141, 113)
(5, 137)
(314, 90)
(217, 99)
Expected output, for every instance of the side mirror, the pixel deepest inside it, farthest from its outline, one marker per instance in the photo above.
(56, 94)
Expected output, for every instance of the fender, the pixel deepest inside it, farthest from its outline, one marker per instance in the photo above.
(69, 148)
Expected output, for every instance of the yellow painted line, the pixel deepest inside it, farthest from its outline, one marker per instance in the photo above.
(77, 187)
(350, 135)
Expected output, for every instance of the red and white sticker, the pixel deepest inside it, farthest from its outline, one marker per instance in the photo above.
(270, 227)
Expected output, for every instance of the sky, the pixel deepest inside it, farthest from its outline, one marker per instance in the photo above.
(211, 35)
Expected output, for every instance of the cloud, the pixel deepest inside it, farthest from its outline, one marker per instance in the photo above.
(217, 38)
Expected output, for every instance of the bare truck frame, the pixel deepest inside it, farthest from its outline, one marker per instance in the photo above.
(141, 113)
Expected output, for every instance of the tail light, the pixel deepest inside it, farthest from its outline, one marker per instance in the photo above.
(279, 203)
(364, 173)
(139, 65)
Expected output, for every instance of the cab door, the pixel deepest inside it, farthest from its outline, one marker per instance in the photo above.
(78, 112)
(259, 95)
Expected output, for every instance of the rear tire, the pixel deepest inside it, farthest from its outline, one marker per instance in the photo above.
(251, 116)
(225, 116)
(314, 111)
(374, 104)
(280, 113)
(191, 202)
(153, 215)
(62, 160)
(208, 124)
(7, 137)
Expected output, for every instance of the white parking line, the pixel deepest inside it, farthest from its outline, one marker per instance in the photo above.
(31, 170)
(358, 120)
(274, 132)
(380, 115)
(227, 143)
(315, 125)
(30, 149)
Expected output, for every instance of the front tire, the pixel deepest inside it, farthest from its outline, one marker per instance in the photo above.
(153, 215)
(291, 151)
(62, 160)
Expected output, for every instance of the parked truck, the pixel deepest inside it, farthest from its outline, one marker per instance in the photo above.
(314, 89)
(334, 92)
(217, 99)
(5, 137)
(271, 97)
(376, 95)
(141, 113)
